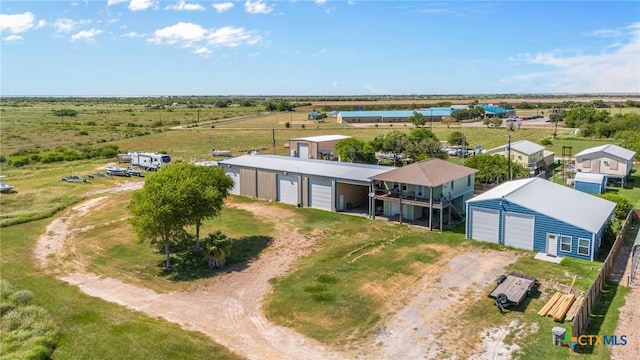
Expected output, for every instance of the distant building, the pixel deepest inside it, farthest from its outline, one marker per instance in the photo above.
(315, 147)
(612, 160)
(523, 152)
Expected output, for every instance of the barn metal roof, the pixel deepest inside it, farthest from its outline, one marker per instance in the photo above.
(609, 149)
(294, 165)
(431, 172)
(573, 207)
(590, 177)
(322, 138)
(523, 146)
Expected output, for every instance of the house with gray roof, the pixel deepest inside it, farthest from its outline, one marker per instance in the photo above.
(540, 215)
(523, 152)
(320, 184)
(433, 191)
(612, 160)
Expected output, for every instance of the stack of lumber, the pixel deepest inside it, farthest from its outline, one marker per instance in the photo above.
(558, 306)
(573, 310)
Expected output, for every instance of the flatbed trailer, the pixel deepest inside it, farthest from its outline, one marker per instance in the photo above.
(512, 289)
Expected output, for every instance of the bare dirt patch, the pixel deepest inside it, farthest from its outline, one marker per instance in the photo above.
(445, 289)
(227, 308)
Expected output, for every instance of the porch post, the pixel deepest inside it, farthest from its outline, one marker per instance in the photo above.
(430, 207)
(372, 201)
(400, 198)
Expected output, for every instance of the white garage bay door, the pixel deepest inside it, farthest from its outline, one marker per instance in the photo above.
(234, 174)
(320, 194)
(518, 230)
(484, 225)
(288, 189)
(303, 151)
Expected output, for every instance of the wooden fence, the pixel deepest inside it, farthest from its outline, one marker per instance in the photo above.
(579, 323)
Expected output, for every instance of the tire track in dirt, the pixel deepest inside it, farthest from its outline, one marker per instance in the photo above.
(227, 308)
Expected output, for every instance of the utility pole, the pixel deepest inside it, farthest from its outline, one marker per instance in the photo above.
(509, 158)
(198, 118)
(273, 136)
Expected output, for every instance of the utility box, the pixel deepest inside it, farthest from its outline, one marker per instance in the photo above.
(558, 335)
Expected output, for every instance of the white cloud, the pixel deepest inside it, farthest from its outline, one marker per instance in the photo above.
(17, 23)
(351, 2)
(113, 2)
(232, 36)
(374, 90)
(202, 51)
(41, 23)
(254, 54)
(12, 38)
(138, 5)
(321, 2)
(257, 7)
(86, 35)
(189, 35)
(186, 33)
(321, 52)
(335, 83)
(64, 25)
(222, 7)
(182, 5)
(131, 34)
(611, 69)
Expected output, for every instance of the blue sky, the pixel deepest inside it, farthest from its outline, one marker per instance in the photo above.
(323, 47)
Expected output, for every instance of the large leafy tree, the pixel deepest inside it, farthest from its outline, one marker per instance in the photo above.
(355, 150)
(175, 197)
(457, 138)
(210, 188)
(394, 142)
(494, 168)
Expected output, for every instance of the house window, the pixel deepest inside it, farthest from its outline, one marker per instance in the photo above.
(586, 164)
(583, 246)
(468, 180)
(565, 243)
(613, 165)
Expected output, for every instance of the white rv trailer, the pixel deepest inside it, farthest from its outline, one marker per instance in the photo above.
(149, 161)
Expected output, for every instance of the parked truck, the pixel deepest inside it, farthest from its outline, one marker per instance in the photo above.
(149, 161)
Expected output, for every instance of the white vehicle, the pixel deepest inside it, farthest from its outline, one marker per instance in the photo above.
(149, 161)
(4, 187)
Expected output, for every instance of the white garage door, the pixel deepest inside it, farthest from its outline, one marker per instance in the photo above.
(518, 230)
(234, 174)
(320, 194)
(303, 151)
(288, 189)
(484, 225)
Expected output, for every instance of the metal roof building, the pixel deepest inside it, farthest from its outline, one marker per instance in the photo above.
(320, 184)
(536, 214)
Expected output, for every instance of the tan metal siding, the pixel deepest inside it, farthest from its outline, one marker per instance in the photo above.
(248, 182)
(267, 188)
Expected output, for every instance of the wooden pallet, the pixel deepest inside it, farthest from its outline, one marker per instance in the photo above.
(565, 304)
(573, 310)
(547, 307)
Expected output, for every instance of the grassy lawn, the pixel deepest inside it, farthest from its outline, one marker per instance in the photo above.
(91, 328)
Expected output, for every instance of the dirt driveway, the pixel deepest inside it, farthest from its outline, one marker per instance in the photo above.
(227, 308)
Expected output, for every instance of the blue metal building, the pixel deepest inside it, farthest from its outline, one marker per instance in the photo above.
(536, 214)
(590, 183)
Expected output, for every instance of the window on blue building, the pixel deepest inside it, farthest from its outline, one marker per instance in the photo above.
(565, 243)
(583, 246)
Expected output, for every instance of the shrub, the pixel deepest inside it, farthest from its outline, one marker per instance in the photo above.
(22, 297)
(287, 124)
(545, 142)
(82, 133)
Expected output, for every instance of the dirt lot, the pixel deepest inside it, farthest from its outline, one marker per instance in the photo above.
(227, 308)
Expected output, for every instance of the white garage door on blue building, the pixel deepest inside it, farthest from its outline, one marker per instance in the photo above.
(320, 194)
(518, 230)
(485, 225)
(288, 189)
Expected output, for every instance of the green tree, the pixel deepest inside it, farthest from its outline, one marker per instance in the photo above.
(494, 168)
(417, 119)
(457, 138)
(65, 112)
(172, 199)
(211, 187)
(354, 150)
